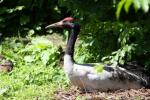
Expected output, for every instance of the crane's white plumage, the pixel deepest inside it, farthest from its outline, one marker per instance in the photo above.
(86, 77)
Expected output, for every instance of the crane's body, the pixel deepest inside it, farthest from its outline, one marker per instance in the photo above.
(85, 75)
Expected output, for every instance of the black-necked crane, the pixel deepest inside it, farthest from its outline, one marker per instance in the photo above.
(86, 77)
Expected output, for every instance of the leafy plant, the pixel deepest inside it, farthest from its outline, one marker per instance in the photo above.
(31, 78)
(24, 15)
(99, 68)
(40, 49)
(137, 4)
(120, 56)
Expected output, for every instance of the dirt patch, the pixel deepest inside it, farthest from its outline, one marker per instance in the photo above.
(75, 94)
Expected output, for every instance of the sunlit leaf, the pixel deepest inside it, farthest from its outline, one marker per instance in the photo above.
(1, 1)
(38, 28)
(119, 8)
(41, 40)
(127, 5)
(145, 5)
(45, 57)
(136, 4)
(99, 68)
(41, 46)
(30, 32)
(29, 58)
(19, 7)
(3, 90)
(122, 53)
(121, 61)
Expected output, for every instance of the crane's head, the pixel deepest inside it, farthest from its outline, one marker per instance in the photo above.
(65, 23)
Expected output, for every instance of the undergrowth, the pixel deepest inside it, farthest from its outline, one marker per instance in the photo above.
(36, 73)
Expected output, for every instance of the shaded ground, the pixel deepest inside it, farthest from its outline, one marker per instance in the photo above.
(75, 94)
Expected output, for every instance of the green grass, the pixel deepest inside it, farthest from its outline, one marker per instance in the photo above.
(36, 73)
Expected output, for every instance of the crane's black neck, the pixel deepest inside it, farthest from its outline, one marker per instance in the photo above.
(74, 31)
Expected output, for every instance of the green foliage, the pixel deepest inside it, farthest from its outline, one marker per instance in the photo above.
(40, 49)
(109, 37)
(121, 55)
(24, 15)
(99, 68)
(91, 9)
(103, 38)
(94, 44)
(36, 72)
(137, 4)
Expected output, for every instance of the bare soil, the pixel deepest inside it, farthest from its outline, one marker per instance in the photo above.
(75, 94)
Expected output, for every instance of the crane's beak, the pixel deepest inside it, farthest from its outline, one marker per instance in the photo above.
(58, 24)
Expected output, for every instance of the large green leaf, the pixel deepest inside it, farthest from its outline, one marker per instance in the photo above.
(119, 8)
(29, 59)
(145, 5)
(127, 5)
(136, 4)
(99, 68)
(45, 57)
